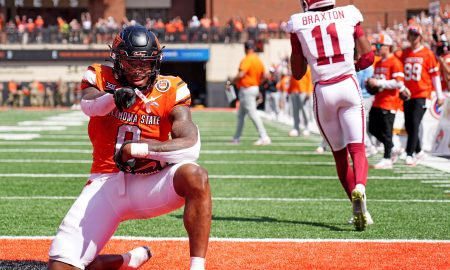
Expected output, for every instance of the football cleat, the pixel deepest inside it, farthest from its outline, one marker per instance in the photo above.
(293, 133)
(409, 161)
(263, 141)
(384, 164)
(420, 156)
(359, 215)
(368, 217)
(235, 141)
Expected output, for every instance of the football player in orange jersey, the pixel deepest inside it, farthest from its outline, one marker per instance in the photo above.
(421, 77)
(138, 172)
(388, 77)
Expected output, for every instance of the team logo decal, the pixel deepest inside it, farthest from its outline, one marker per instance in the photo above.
(435, 109)
(163, 85)
(110, 86)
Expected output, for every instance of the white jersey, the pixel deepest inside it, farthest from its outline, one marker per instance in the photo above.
(327, 40)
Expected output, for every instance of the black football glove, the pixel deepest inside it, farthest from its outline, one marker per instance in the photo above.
(372, 89)
(405, 93)
(124, 98)
(125, 166)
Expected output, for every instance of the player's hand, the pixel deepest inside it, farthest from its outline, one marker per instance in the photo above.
(440, 102)
(405, 93)
(124, 98)
(123, 159)
(372, 82)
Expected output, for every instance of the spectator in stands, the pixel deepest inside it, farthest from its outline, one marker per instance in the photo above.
(193, 29)
(252, 28)
(39, 24)
(159, 29)
(86, 24)
(273, 29)
(205, 28)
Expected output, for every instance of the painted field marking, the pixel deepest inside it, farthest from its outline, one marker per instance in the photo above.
(213, 176)
(244, 199)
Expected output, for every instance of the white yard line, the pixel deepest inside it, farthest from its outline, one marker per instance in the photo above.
(243, 176)
(250, 240)
(248, 199)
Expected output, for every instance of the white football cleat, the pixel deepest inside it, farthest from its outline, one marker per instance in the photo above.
(263, 141)
(306, 133)
(293, 133)
(359, 209)
(136, 258)
(384, 164)
(371, 151)
(420, 156)
(409, 161)
(320, 150)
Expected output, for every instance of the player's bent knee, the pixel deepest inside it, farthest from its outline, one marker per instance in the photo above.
(191, 179)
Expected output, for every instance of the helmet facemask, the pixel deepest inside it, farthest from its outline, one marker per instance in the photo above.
(132, 64)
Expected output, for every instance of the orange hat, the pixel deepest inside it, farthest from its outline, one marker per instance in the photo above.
(384, 39)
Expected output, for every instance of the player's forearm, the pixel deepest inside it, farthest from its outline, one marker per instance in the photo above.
(96, 103)
(436, 80)
(389, 84)
(172, 151)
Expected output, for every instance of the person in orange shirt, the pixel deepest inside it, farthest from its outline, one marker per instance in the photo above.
(248, 80)
(144, 150)
(388, 76)
(299, 92)
(421, 77)
(283, 87)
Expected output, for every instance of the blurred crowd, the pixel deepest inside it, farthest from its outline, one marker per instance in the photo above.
(40, 94)
(26, 30)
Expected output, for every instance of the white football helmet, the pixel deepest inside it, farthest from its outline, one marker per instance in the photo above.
(314, 4)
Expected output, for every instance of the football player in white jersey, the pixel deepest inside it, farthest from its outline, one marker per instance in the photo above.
(325, 37)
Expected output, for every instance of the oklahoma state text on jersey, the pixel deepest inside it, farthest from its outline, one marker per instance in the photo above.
(419, 66)
(388, 69)
(107, 133)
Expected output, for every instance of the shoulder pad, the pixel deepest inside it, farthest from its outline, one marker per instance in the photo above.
(353, 12)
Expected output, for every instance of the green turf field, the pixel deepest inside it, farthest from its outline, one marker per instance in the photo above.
(284, 190)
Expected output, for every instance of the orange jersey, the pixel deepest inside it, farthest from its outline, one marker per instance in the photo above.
(304, 85)
(253, 68)
(283, 84)
(107, 133)
(419, 67)
(388, 69)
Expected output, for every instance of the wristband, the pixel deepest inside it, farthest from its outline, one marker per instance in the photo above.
(139, 150)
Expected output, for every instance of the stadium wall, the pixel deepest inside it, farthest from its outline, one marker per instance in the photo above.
(223, 64)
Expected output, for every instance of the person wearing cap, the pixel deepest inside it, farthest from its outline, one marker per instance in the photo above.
(388, 77)
(248, 80)
(421, 72)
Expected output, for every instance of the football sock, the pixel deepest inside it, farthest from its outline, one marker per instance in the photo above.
(197, 263)
(344, 171)
(135, 258)
(360, 165)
